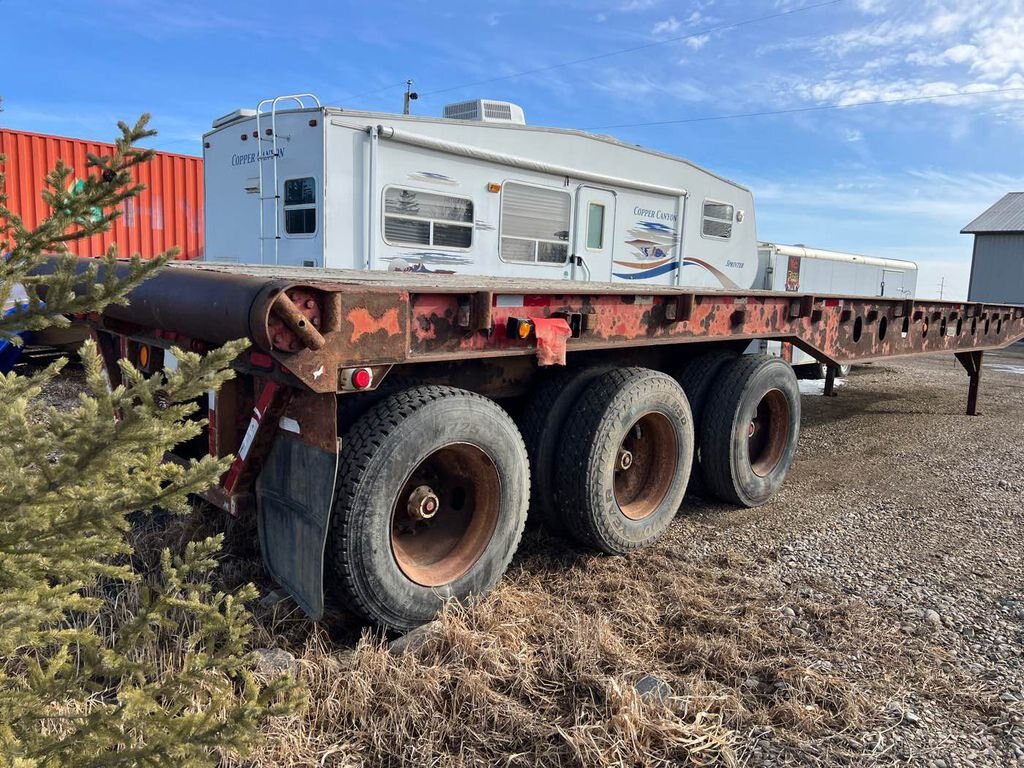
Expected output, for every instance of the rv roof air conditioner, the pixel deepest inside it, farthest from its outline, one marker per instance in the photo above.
(486, 111)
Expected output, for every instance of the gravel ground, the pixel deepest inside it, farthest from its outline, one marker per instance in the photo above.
(901, 503)
(871, 614)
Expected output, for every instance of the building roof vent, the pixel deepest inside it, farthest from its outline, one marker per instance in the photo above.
(486, 111)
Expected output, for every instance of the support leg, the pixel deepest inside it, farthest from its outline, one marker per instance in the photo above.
(971, 361)
(830, 381)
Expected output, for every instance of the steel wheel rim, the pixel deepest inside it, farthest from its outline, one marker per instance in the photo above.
(768, 433)
(436, 543)
(645, 465)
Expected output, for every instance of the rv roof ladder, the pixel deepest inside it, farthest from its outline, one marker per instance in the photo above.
(275, 192)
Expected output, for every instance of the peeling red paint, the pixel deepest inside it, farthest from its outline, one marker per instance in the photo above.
(363, 323)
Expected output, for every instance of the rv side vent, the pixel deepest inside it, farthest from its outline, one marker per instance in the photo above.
(486, 111)
(497, 111)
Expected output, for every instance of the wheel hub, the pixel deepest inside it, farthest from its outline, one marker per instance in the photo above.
(645, 466)
(768, 433)
(445, 515)
(625, 459)
(423, 503)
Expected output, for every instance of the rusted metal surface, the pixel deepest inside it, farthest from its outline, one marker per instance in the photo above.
(645, 466)
(168, 213)
(294, 321)
(259, 433)
(401, 319)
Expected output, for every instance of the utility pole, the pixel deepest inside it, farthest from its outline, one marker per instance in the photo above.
(410, 95)
(942, 287)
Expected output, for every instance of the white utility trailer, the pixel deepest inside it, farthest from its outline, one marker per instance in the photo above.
(477, 192)
(797, 268)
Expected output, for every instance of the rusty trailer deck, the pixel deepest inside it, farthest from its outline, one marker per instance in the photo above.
(318, 323)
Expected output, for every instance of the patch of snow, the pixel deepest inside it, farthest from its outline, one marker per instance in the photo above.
(816, 386)
(1018, 369)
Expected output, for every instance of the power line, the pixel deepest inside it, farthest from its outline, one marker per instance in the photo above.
(816, 108)
(645, 46)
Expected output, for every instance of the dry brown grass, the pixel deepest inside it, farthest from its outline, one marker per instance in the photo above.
(543, 671)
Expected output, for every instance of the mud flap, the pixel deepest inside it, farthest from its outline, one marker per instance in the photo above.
(294, 495)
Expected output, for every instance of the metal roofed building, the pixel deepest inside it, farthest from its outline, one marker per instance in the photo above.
(997, 266)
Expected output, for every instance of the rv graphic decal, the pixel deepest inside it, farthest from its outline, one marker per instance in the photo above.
(648, 273)
(418, 261)
(432, 176)
(652, 243)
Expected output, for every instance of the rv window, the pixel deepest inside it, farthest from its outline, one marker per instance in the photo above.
(412, 217)
(595, 227)
(534, 224)
(300, 206)
(717, 220)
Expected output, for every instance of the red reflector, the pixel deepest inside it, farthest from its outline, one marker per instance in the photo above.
(260, 360)
(362, 378)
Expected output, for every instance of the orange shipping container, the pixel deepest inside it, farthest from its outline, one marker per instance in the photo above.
(168, 213)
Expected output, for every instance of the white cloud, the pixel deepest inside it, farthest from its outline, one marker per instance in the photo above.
(666, 26)
(697, 42)
(632, 6)
(639, 89)
(874, 7)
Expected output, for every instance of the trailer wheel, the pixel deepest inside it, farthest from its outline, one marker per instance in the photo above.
(627, 448)
(542, 424)
(432, 492)
(750, 428)
(696, 379)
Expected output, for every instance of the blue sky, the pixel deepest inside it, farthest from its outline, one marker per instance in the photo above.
(897, 180)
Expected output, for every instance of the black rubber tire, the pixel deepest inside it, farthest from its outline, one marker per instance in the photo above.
(585, 481)
(729, 413)
(696, 379)
(542, 423)
(378, 455)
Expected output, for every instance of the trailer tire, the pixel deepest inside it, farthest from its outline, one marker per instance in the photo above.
(633, 413)
(433, 486)
(543, 424)
(750, 429)
(696, 379)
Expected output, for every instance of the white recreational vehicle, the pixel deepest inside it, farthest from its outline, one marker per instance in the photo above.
(476, 191)
(816, 271)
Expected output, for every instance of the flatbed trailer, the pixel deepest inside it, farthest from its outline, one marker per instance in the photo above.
(385, 476)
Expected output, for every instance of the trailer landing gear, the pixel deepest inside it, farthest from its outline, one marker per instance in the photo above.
(830, 381)
(971, 361)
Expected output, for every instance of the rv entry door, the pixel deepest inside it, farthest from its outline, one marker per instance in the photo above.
(892, 283)
(595, 228)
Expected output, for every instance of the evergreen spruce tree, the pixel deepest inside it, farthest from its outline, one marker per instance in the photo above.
(162, 677)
